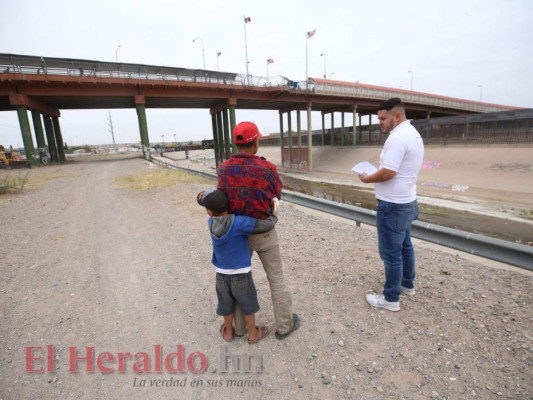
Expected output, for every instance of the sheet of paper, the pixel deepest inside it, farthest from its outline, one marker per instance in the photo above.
(364, 166)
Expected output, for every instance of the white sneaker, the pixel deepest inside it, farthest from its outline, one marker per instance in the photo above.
(378, 300)
(409, 292)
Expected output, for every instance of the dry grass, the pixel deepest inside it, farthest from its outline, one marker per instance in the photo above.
(157, 179)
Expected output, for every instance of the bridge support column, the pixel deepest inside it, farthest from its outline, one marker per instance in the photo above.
(299, 130)
(38, 128)
(309, 138)
(140, 103)
(215, 135)
(281, 137)
(332, 128)
(342, 128)
(25, 129)
(59, 139)
(354, 127)
(220, 137)
(50, 138)
(227, 145)
(323, 128)
(289, 123)
(232, 123)
(428, 127)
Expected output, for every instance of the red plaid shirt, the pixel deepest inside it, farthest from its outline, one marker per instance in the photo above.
(250, 182)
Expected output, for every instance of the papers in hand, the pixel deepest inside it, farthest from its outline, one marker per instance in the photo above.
(362, 167)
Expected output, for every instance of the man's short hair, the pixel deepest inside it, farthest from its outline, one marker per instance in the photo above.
(391, 103)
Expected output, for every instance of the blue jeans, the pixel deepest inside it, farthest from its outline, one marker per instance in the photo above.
(395, 247)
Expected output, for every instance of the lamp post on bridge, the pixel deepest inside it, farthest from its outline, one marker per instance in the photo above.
(412, 73)
(324, 55)
(174, 138)
(480, 92)
(116, 53)
(202, 43)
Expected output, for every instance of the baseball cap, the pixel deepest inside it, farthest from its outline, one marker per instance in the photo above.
(245, 132)
(213, 199)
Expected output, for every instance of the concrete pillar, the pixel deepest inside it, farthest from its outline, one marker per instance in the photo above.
(220, 136)
(332, 127)
(299, 130)
(59, 139)
(342, 128)
(143, 126)
(232, 123)
(354, 127)
(38, 128)
(25, 129)
(323, 128)
(227, 143)
(309, 138)
(50, 138)
(215, 136)
(289, 123)
(281, 137)
(428, 127)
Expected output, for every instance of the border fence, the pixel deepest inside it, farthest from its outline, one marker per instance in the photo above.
(505, 127)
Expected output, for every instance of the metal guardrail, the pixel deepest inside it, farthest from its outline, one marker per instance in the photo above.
(24, 64)
(515, 254)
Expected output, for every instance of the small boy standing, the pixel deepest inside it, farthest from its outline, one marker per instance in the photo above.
(232, 261)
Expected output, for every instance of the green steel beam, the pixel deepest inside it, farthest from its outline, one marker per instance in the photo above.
(215, 136)
(38, 128)
(143, 129)
(220, 136)
(50, 138)
(25, 129)
(232, 121)
(299, 129)
(309, 139)
(281, 137)
(227, 144)
(59, 139)
(289, 123)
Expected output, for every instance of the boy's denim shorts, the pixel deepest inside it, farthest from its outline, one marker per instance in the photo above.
(233, 289)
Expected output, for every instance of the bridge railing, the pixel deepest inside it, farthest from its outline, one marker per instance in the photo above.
(10, 63)
(416, 98)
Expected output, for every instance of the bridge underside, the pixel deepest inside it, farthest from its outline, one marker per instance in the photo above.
(77, 93)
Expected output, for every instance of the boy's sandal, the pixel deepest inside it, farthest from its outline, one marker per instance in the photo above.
(261, 333)
(223, 331)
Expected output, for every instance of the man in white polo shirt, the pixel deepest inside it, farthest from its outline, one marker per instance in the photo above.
(395, 187)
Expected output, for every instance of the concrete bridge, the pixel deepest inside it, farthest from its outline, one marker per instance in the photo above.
(45, 86)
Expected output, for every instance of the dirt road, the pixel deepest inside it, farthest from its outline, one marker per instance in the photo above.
(105, 265)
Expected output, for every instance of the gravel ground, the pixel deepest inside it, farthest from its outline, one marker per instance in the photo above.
(114, 255)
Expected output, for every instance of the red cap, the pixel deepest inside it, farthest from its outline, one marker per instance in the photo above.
(245, 132)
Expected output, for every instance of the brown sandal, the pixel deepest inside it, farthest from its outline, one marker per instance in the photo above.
(223, 331)
(261, 333)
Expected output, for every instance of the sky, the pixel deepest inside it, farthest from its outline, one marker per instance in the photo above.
(469, 49)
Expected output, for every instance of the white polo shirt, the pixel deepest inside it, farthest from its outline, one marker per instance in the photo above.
(403, 153)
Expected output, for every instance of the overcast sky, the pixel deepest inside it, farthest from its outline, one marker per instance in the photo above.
(452, 46)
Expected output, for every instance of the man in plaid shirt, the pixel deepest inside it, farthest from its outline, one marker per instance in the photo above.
(252, 185)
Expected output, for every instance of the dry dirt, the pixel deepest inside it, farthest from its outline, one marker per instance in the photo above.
(113, 255)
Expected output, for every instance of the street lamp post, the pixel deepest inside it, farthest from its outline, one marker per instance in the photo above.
(116, 53)
(174, 138)
(411, 72)
(480, 92)
(219, 53)
(163, 138)
(331, 74)
(269, 61)
(202, 43)
(246, 20)
(324, 55)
